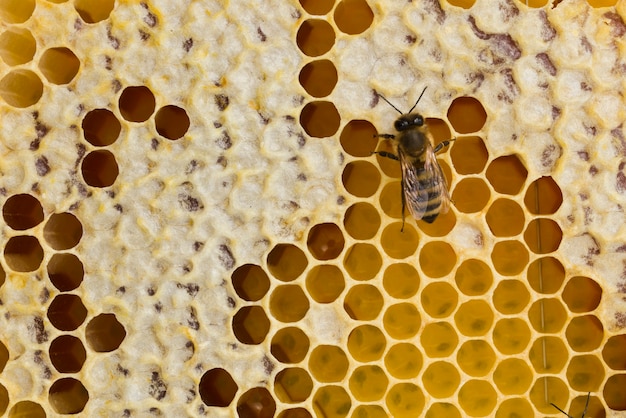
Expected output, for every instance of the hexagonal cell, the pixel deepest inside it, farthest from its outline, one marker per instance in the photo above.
(171, 122)
(510, 297)
(290, 345)
(474, 318)
(59, 65)
(325, 283)
(442, 409)
(507, 174)
(286, 262)
(68, 396)
(325, 241)
(217, 388)
(441, 379)
(437, 259)
(473, 277)
(16, 11)
(441, 228)
(361, 221)
(22, 211)
(353, 16)
(547, 316)
(67, 354)
(368, 383)
(509, 257)
(513, 407)
(511, 336)
(403, 361)
(582, 294)
(293, 385)
(256, 403)
(471, 195)
(27, 409)
(505, 218)
(136, 103)
(545, 275)
(584, 333)
(104, 333)
(612, 353)
(17, 46)
(320, 119)
(439, 339)
(288, 303)
(405, 400)
(512, 376)
(100, 169)
(543, 196)
(469, 155)
(363, 302)
(362, 261)
(23, 253)
(585, 373)
(67, 312)
(401, 280)
(250, 282)
(101, 127)
(557, 393)
(93, 11)
(65, 271)
(317, 7)
(63, 231)
(328, 363)
(331, 401)
(319, 78)
(21, 88)
(369, 411)
(251, 325)
(589, 405)
(548, 354)
(315, 37)
(361, 178)
(467, 115)
(543, 236)
(366, 343)
(390, 200)
(613, 392)
(397, 242)
(477, 398)
(358, 136)
(476, 357)
(402, 321)
(387, 165)
(439, 299)
(295, 413)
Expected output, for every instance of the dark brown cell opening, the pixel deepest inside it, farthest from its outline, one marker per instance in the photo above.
(256, 403)
(353, 16)
(545, 275)
(100, 169)
(66, 271)
(612, 353)
(467, 115)
(59, 65)
(582, 294)
(469, 155)
(22, 211)
(67, 312)
(93, 11)
(315, 37)
(104, 333)
(101, 127)
(67, 354)
(217, 388)
(320, 119)
(317, 7)
(325, 241)
(63, 231)
(362, 220)
(507, 174)
(137, 103)
(172, 122)
(357, 138)
(251, 325)
(361, 178)
(318, 78)
(543, 196)
(250, 282)
(543, 236)
(68, 396)
(23, 253)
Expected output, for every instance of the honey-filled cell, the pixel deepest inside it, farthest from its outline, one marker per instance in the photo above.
(543, 196)
(250, 282)
(403, 361)
(328, 363)
(510, 297)
(391, 200)
(439, 299)
(353, 16)
(325, 283)
(293, 385)
(361, 178)
(467, 115)
(368, 383)
(513, 376)
(543, 236)
(584, 333)
(511, 335)
(405, 400)
(388, 166)
(582, 294)
(437, 259)
(401, 280)
(514, 407)
(547, 315)
(362, 261)
(402, 321)
(319, 78)
(473, 277)
(476, 357)
(441, 379)
(505, 218)
(474, 318)
(286, 262)
(556, 390)
(439, 339)
(509, 257)
(288, 303)
(548, 354)
(366, 343)
(477, 398)
(290, 345)
(369, 411)
(399, 242)
(361, 221)
(256, 402)
(585, 373)
(613, 352)
(471, 195)
(469, 155)
(363, 302)
(507, 174)
(442, 410)
(545, 275)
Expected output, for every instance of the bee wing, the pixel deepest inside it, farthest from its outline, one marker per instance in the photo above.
(438, 183)
(415, 195)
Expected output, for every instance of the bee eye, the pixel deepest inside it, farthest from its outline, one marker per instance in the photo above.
(400, 125)
(419, 120)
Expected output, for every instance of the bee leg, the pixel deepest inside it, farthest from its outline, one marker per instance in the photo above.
(386, 154)
(386, 136)
(442, 144)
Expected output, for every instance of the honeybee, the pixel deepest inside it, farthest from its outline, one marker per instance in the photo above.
(584, 411)
(424, 188)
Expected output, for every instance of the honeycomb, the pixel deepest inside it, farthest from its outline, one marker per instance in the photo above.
(194, 223)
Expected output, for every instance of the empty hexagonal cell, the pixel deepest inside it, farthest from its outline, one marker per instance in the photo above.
(250, 282)
(510, 297)
(67, 354)
(320, 119)
(584, 333)
(369, 411)
(67, 312)
(585, 373)
(443, 409)
(22, 211)
(256, 402)
(441, 379)
(251, 325)
(476, 357)
(353, 16)
(290, 345)
(467, 115)
(368, 383)
(437, 259)
(21, 88)
(325, 241)
(293, 385)
(507, 174)
(65, 271)
(295, 413)
(325, 283)
(328, 363)
(361, 178)
(93, 11)
(63, 231)
(545, 275)
(403, 361)
(136, 103)
(614, 392)
(27, 409)
(512, 376)
(101, 127)
(358, 136)
(612, 353)
(402, 321)
(99, 168)
(511, 335)
(405, 400)
(319, 78)
(363, 302)
(361, 220)
(543, 236)
(288, 303)
(547, 315)
(557, 393)
(477, 398)
(509, 257)
(68, 396)
(505, 218)
(23, 253)
(104, 333)
(401, 280)
(362, 261)
(473, 277)
(474, 318)
(582, 294)
(548, 354)
(286, 262)
(398, 242)
(439, 299)
(315, 37)
(59, 65)
(331, 401)
(470, 195)
(171, 122)
(390, 200)
(217, 388)
(543, 196)
(17, 46)
(366, 343)
(469, 155)
(387, 165)
(439, 339)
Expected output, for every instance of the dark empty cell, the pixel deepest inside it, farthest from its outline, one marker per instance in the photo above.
(256, 403)
(217, 388)
(317, 7)
(172, 122)
(101, 127)
(63, 231)
(22, 211)
(100, 169)
(286, 262)
(250, 282)
(315, 37)
(137, 103)
(353, 16)
(325, 241)
(357, 138)
(23, 253)
(318, 78)
(582, 294)
(65, 271)
(546, 275)
(67, 354)
(93, 11)
(543, 196)
(251, 325)
(104, 333)
(67, 312)
(467, 115)
(543, 236)
(361, 178)
(469, 155)
(320, 119)
(59, 65)
(612, 353)
(507, 174)
(68, 396)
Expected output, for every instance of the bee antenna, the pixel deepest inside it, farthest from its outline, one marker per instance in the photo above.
(388, 102)
(418, 99)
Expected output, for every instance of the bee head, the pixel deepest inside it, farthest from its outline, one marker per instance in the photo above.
(411, 120)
